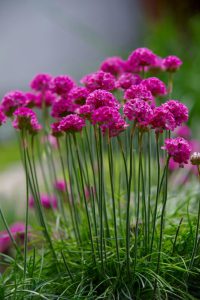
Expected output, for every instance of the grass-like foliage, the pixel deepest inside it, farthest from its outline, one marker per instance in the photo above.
(104, 223)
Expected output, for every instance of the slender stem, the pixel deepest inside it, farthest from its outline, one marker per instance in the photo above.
(128, 200)
(157, 194)
(194, 250)
(149, 186)
(162, 223)
(84, 197)
(110, 161)
(176, 235)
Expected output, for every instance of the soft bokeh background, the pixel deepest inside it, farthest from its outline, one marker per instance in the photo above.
(74, 36)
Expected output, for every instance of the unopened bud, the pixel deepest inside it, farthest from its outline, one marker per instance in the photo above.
(195, 158)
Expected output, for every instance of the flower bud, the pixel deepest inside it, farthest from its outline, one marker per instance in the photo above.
(195, 158)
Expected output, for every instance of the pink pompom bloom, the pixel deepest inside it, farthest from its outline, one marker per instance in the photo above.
(26, 119)
(11, 101)
(60, 185)
(162, 119)
(84, 111)
(139, 111)
(158, 65)
(105, 114)
(138, 91)
(141, 57)
(63, 107)
(101, 98)
(78, 95)
(171, 63)
(31, 99)
(55, 130)
(179, 149)
(179, 111)
(18, 230)
(71, 124)
(113, 65)
(99, 80)
(5, 241)
(45, 99)
(114, 127)
(61, 85)
(47, 201)
(41, 82)
(155, 86)
(2, 118)
(126, 80)
(183, 131)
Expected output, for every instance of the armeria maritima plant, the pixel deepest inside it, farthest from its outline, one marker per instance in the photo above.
(99, 163)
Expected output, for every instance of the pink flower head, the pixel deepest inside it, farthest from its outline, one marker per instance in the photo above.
(2, 118)
(157, 66)
(78, 95)
(139, 111)
(141, 57)
(162, 119)
(47, 201)
(61, 85)
(45, 99)
(5, 241)
(179, 149)
(60, 185)
(11, 101)
(179, 111)
(31, 99)
(26, 119)
(41, 82)
(99, 80)
(126, 80)
(18, 230)
(113, 65)
(171, 63)
(101, 98)
(138, 91)
(84, 111)
(114, 127)
(72, 123)
(105, 114)
(55, 130)
(183, 131)
(155, 86)
(63, 107)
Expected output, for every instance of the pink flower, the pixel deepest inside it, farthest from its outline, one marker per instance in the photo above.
(138, 91)
(105, 114)
(162, 119)
(84, 111)
(101, 98)
(157, 66)
(45, 99)
(11, 101)
(63, 107)
(18, 230)
(179, 111)
(139, 111)
(183, 131)
(114, 127)
(5, 241)
(141, 57)
(113, 65)
(78, 95)
(126, 80)
(179, 149)
(61, 85)
(2, 118)
(26, 119)
(155, 86)
(41, 82)
(55, 130)
(47, 201)
(72, 123)
(60, 185)
(99, 80)
(171, 63)
(31, 99)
